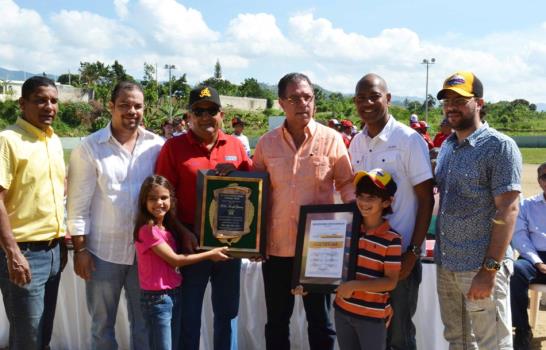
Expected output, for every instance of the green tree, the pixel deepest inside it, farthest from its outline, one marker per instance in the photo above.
(118, 73)
(150, 86)
(224, 87)
(93, 75)
(251, 88)
(69, 79)
(217, 70)
(181, 88)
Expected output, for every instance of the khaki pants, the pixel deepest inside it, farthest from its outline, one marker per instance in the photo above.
(475, 324)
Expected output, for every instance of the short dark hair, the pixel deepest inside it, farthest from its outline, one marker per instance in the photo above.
(124, 85)
(367, 186)
(541, 168)
(33, 83)
(291, 78)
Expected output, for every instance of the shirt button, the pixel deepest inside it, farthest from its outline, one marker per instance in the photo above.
(442, 233)
(443, 254)
(370, 150)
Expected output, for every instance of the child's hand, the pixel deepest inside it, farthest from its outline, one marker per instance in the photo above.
(345, 290)
(219, 254)
(299, 291)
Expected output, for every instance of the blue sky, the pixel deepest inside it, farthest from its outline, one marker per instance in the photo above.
(335, 42)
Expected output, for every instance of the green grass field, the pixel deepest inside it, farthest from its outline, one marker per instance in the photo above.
(533, 155)
(530, 155)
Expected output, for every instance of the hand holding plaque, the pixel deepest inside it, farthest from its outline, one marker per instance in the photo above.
(231, 211)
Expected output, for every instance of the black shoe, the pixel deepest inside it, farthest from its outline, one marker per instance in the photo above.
(522, 340)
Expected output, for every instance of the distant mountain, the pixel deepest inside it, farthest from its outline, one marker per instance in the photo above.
(6, 74)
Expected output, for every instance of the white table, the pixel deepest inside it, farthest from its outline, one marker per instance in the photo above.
(72, 326)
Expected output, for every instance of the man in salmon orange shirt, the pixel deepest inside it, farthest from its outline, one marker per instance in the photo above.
(304, 160)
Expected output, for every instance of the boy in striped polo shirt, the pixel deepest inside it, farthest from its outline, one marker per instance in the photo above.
(362, 305)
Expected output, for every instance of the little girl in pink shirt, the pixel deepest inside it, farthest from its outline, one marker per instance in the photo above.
(155, 231)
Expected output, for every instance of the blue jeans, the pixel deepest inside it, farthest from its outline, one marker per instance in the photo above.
(161, 311)
(401, 332)
(277, 274)
(360, 333)
(103, 293)
(224, 279)
(31, 308)
(524, 273)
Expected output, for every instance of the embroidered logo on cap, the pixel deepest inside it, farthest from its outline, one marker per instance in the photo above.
(455, 80)
(205, 93)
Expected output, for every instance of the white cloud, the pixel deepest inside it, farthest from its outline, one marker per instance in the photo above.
(326, 41)
(121, 8)
(172, 27)
(94, 32)
(511, 64)
(258, 34)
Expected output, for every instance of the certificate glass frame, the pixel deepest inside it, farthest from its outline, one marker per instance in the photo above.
(326, 247)
(231, 211)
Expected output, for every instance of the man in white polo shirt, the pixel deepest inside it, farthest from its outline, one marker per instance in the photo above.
(388, 144)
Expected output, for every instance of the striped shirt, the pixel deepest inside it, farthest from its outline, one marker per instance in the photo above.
(378, 250)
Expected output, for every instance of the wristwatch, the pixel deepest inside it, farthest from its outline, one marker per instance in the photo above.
(491, 264)
(415, 249)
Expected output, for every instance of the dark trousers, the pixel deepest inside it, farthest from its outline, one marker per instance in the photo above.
(524, 273)
(277, 274)
(224, 280)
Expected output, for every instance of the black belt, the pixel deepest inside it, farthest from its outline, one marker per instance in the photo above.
(39, 245)
(163, 291)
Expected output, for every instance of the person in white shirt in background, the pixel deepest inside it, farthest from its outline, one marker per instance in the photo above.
(104, 178)
(238, 127)
(530, 241)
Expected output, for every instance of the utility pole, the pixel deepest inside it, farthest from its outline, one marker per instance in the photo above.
(427, 62)
(170, 67)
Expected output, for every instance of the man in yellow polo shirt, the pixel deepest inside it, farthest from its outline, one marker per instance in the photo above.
(32, 174)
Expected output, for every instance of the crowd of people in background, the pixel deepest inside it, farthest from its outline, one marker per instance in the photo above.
(131, 202)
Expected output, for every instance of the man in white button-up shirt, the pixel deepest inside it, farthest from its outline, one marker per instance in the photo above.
(388, 144)
(104, 178)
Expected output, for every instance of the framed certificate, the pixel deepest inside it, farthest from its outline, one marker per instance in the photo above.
(327, 234)
(231, 211)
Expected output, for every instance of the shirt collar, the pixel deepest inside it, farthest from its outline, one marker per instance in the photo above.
(386, 132)
(31, 129)
(473, 138)
(309, 129)
(379, 229)
(105, 134)
(222, 137)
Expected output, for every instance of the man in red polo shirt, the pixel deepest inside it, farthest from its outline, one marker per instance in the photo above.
(205, 146)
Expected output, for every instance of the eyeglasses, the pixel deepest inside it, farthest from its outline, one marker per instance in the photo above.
(542, 177)
(305, 99)
(199, 112)
(365, 98)
(458, 101)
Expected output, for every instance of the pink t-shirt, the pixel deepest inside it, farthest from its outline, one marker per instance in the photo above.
(155, 273)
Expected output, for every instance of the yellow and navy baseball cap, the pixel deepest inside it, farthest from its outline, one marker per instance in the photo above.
(380, 178)
(464, 83)
(204, 93)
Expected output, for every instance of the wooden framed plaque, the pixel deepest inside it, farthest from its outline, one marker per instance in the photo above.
(231, 211)
(326, 246)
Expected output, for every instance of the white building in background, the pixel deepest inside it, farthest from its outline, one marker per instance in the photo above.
(11, 89)
(246, 103)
